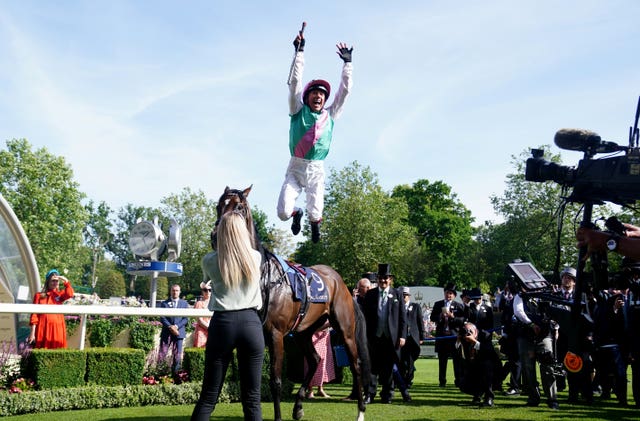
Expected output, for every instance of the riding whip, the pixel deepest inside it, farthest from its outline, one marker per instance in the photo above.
(294, 54)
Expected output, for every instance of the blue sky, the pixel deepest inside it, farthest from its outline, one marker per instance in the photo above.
(145, 98)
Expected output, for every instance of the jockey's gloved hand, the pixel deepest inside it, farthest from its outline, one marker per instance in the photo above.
(298, 43)
(345, 53)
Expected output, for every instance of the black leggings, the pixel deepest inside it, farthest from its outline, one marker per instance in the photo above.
(229, 330)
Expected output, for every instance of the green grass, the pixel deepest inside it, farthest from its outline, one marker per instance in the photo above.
(429, 403)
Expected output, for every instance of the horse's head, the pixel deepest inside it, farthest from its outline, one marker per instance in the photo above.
(233, 200)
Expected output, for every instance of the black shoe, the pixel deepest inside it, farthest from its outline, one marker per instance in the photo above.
(386, 401)
(488, 403)
(553, 405)
(368, 399)
(297, 217)
(476, 400)
(315, 231)
(406, 397)
(443, 385)
(533, 403)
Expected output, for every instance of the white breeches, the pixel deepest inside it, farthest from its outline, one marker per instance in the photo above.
(302, 174)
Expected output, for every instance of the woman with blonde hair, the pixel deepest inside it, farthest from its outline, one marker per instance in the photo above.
(234, 271)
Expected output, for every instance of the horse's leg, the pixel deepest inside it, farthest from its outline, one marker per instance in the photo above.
(305, 343)
(352, 324)
(276, 358)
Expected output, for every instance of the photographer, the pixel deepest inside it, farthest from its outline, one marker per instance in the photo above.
(478, 356)
(536, 335)
(597, 241)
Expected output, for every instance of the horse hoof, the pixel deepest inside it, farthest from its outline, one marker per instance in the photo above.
(298, 414)
(360, 416)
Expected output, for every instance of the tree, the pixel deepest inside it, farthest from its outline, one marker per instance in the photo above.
(444, 226)
(196, 215)
(363, 226)
(110, 281)
(97, 234)
(274, 239)
(45, 198)
(531, 212)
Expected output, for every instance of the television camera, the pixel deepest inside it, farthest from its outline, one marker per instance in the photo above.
(615, 179)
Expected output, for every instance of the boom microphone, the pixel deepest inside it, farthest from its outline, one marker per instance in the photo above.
(584, 140)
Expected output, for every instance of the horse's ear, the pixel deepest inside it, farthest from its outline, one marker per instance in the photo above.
(247, 191)
(226, 189)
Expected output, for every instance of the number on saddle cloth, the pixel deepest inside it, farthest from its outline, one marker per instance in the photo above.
(305, 283)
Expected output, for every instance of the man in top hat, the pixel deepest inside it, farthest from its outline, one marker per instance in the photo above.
(415, 332)
(481, 315)
(386, 331)
(444, 314)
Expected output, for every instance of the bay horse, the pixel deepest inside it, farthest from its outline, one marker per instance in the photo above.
(282, 315)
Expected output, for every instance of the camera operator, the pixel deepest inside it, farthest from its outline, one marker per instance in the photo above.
(631, 269)
(580, 382)
(536, 335)
(596, 241)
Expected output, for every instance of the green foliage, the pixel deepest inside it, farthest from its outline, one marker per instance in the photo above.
(40, 188)
(141, 336)
(103, 363)
(529, 231)
(93, 397)
(110, 281)
(102, 331)
(55, 368)
(196, 214)
(444, 228)
(362, 226)
(193, 362)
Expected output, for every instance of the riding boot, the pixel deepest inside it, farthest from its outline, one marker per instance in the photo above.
(315, 231)
(297, 217)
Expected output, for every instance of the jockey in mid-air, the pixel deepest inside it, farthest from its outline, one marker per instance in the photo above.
(310, 136)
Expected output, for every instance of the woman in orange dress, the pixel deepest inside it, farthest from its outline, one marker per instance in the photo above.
(202, 324)
(49, 330)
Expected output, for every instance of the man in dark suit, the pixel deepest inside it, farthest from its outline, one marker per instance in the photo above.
(386, 331)
(445, 313)
(415, 333)
(173, 328)
(481, 316)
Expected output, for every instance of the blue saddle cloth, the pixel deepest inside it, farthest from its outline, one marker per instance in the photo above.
(305, 283)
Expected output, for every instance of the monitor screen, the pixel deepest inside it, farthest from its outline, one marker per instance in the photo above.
(528, 276)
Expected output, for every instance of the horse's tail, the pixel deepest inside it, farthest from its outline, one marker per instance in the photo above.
(363, 347)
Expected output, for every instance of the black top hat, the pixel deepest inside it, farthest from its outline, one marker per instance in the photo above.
(475, 293)
(384, 270)
(451, 287)
(370, 276)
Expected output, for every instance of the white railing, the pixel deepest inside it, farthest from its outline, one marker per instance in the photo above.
(85, 310)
